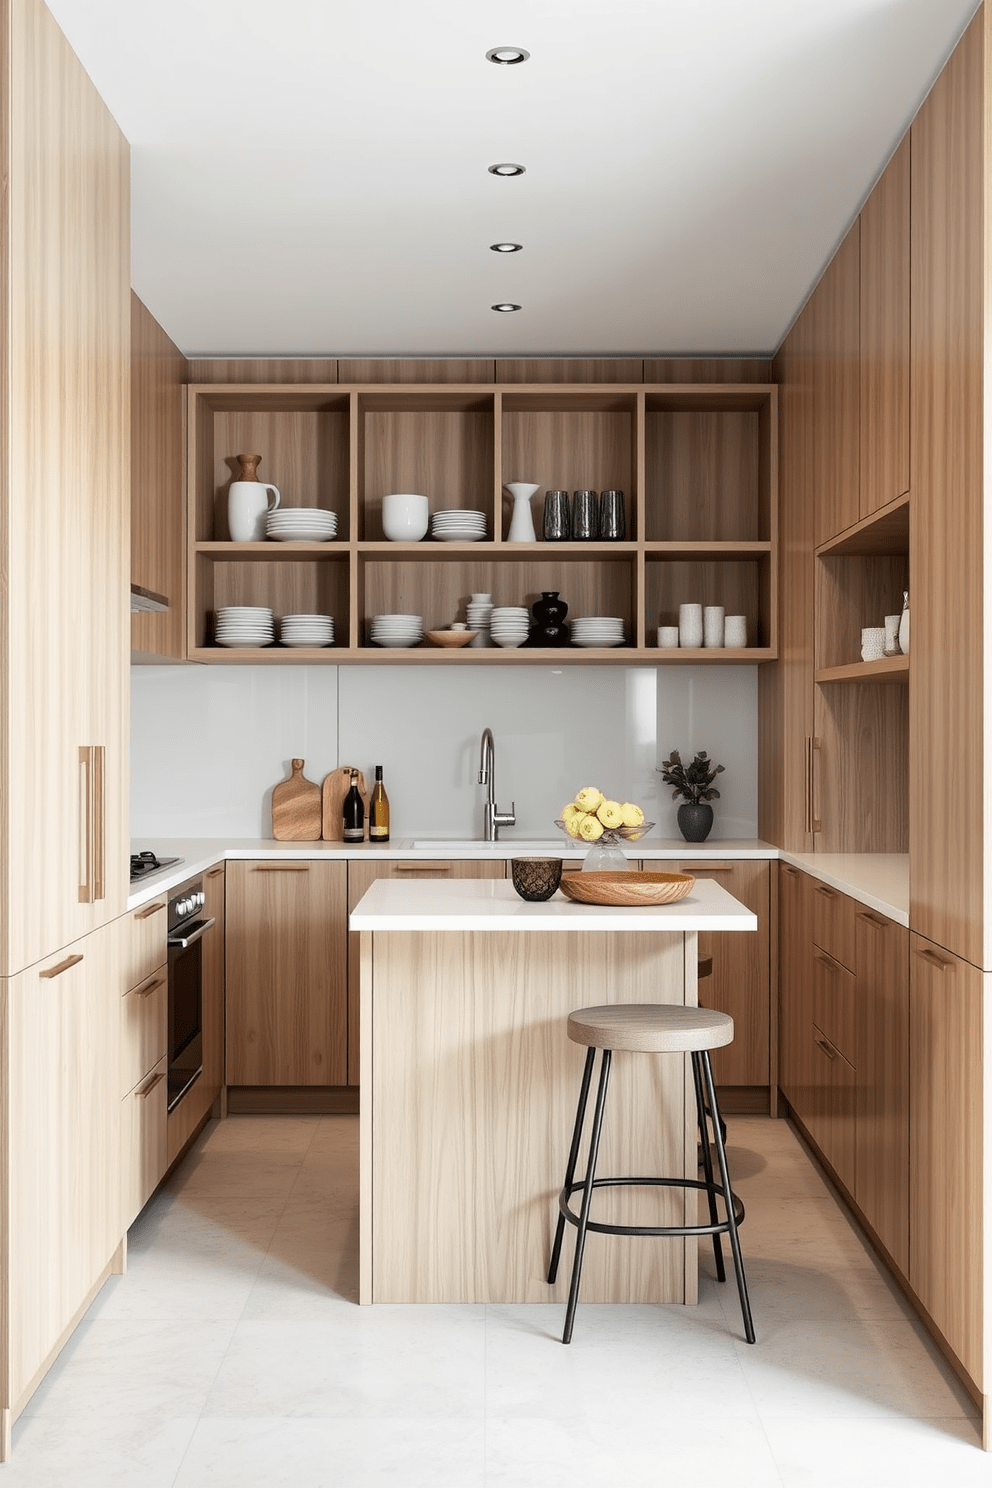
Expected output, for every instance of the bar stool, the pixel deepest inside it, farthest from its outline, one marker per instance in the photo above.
(704, 969)
(650, 1028)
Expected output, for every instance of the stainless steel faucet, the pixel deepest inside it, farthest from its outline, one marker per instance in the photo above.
(492, 818)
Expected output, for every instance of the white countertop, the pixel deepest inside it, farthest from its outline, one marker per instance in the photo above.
(877, 880)
(494, 904)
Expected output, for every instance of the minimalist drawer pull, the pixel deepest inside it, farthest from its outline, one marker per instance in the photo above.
(825, 960)
(281, 868)
(942, 963)
(701, 869)
(422, 867)
(155, 1080)
(827, 892)
(792, 872)
(872, 919)
(825, 1045)
(215, 872)
(150, 986)
(146, 914)
(54, 971)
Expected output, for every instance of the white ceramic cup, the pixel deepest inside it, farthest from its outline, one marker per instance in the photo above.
(248, 505)
(691, 626)
(735, 631)
(405, 518)
(873, 643)
(713, 625)
(668, 637)
(892, 635)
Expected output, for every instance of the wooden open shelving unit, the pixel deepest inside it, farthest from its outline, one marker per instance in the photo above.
(860, 577)
(697, 463)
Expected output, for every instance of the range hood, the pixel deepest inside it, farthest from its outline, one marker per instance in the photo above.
(144, 600)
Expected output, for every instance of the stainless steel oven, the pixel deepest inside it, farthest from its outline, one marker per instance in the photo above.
(187, 928)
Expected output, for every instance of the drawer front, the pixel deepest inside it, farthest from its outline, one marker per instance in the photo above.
(835, 1004)
(144, 945)
(143, 1142)
(831, 1120)
(144, 1028)
(834, 924)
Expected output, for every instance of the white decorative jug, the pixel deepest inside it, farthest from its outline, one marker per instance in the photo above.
(249, 503)
(522, 523)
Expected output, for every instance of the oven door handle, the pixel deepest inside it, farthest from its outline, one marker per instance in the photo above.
(179, 942)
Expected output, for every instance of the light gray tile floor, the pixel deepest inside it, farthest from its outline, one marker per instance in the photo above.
(233, 1353)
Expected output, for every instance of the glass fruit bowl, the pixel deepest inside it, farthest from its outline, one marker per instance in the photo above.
(605, 854)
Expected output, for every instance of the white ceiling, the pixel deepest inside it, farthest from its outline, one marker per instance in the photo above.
(309, 176)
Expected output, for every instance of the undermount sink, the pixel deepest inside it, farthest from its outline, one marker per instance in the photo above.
(463, 844)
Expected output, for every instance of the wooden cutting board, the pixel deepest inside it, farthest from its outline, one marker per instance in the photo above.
(296, 808)
(336, 786)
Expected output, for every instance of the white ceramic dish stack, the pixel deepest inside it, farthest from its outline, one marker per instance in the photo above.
(307, 630)
(244, 625)
(397, 630)
(509, 625)
(479, 614)
(597, 630)
(458, 526)
(301, 524)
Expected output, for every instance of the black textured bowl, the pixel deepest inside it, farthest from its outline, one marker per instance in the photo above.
(535, 878)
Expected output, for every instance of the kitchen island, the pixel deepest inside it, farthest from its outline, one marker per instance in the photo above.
(469, 1084)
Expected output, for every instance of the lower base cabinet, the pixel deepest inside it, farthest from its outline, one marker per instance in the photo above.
(144, 1150)
(883, 1104)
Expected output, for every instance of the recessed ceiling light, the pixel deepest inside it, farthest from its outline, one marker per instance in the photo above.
(506, 309)
(506, 56)
(505, 247)
(506, 168)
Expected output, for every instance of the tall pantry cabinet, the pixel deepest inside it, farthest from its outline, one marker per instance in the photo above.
(64, 535)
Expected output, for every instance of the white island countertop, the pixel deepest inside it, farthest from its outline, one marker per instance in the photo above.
(494, 904)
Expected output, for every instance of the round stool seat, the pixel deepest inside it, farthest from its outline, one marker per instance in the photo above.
(704, 967)
(650, 1028)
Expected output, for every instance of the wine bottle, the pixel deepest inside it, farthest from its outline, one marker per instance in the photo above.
(379, 810)
(353, 813)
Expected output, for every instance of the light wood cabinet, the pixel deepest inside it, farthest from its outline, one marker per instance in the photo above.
(144, 1023)
(739, 984)
(946, 1159)
(795, 990)
(361, 877)
(835, 427)
(697, 464)
(287, 977)
(143, 1141)
(885, 336)
(882, 1062)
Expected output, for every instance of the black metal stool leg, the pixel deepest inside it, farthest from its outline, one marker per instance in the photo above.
(704, 1136)
(573, 1157)
(721, 1155)
(580, 1234)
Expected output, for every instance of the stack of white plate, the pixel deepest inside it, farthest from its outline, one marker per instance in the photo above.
(307, 630)
(301, 524)
(509, 625)
(397, 630)
(597, 630)
(244, 625)
(479, 616)
(458, 526)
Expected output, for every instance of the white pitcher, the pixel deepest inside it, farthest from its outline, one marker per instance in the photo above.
(248, 505)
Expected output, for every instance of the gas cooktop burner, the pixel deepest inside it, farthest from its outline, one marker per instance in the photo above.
(145, 863)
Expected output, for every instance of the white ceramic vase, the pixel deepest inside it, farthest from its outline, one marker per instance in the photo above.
(522, 522)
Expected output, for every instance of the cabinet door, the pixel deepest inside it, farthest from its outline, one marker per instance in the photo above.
(144, 1153)
(835, 1002)
(882, 1063)
(361, 877)
(945, 1168)
(831, 1114)
(739, 983)
(835, 431)
(287, 979)
(885, 336)
(795, 991)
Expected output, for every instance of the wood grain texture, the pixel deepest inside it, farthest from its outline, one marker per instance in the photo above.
(570, 369)
(65, 481)
(835, 423)
(835, 1005)
(885, 335)
(739, 984)
(446, 456)
(286, 956)
(144, 1145)
(835, 930)
(831, 1118)
(296, 807)
(305, 455)
(259, 369)
(702, 476)
(708, 369)
(795, 988)
(949, 413)
(861, 795)
(946, 1141)
(852, 593)
(882, 1063)
(567, 451)
(737, 586)
(144, 1030)
(473, 1087)
(424, 369)
(159, 373)
(144, 942)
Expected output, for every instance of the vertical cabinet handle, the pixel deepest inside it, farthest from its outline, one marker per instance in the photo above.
(813, 823)
(92, 823)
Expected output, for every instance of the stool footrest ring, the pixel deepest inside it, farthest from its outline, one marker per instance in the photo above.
(720, 1227)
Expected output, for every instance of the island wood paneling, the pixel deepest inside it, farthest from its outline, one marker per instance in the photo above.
(950, 268)
(467, 1123)
(885, 335)
(158, 484)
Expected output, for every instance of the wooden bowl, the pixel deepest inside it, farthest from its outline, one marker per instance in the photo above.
(627, 890)
(451, 637)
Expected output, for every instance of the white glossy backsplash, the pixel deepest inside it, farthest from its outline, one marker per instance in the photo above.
(209, 743)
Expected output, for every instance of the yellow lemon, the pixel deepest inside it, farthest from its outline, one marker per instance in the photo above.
(631, 815)
(573, 824)
(567, 812)
(590, 828)
(588, 798)
(610, 814)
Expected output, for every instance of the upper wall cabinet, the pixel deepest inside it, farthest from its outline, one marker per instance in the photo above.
(697, 464)
(885, 286)
(835, 423)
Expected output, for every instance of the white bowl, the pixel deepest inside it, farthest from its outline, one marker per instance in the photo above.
(405, 518)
